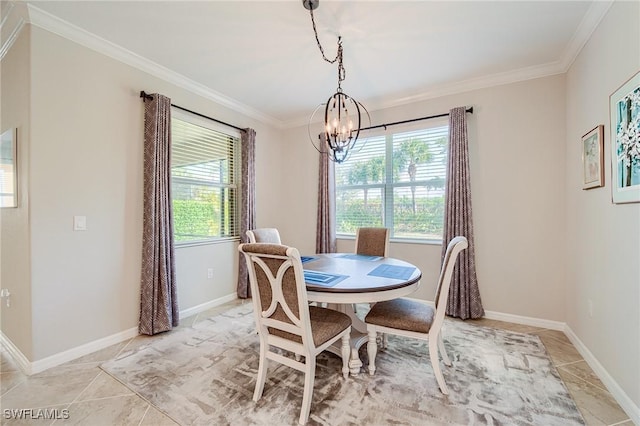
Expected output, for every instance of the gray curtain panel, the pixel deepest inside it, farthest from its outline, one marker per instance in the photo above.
(158, 300)
(326, 220)
(464, 295)
(248, 206)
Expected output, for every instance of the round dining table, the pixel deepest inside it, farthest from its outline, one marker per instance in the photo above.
(342, 280)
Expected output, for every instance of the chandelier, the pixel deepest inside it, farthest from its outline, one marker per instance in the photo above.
(342, 113)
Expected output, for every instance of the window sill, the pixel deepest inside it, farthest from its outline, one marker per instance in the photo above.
(398, 240)
(206, 242)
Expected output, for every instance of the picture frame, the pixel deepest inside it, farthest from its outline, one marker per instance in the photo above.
(593, 158)
(8, 169)
(624, 110)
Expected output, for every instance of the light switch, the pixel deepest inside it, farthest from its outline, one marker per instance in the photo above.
(79, 223)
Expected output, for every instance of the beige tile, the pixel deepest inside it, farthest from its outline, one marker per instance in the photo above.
(10, 379)
(502, 325)
(56, 386)
(102, 387)
(121, 410)
(561, 351)
(154, 417)
(101, 355)
(583, 371)
(596, 405)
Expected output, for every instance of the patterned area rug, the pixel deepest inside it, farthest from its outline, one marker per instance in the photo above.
(205, 375)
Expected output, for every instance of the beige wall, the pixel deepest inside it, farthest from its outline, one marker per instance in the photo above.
(86, 157)
(603, 239)
(516, 142)
(15, 273)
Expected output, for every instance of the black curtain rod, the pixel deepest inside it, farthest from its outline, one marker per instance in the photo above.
(469, 110)
(145, 95)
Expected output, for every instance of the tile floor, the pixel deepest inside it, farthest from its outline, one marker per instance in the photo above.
(92, 397)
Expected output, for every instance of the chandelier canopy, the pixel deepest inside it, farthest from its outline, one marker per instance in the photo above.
(342, 113)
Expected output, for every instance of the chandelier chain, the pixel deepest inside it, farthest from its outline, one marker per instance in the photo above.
(341, 70)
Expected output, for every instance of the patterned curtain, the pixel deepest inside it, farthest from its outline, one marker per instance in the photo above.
(326, 220)
(464, 295)
(158, 300)
(248, 206)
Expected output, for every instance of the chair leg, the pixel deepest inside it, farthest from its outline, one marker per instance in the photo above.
(346, 348)
(435, 363)
(372, 350)
(309, 378)
(385, 341)
(443, 351)
(262, 372)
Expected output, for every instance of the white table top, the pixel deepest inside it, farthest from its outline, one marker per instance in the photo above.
(356, 284)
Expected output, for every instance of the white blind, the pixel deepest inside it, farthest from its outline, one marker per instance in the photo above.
(397, 181)
(204, 175)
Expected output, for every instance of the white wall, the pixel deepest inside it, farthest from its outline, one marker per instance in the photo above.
(516, 136)
(86, 159)
(603, 249)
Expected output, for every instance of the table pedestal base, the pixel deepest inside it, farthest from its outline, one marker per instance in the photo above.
(359, 336)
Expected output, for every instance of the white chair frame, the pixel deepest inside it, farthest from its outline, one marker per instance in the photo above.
(434, 336)
(272, 232)
(300, 326)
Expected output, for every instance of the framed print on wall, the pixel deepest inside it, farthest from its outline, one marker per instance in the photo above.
(624, 110)
(593, 158)
(8, 172)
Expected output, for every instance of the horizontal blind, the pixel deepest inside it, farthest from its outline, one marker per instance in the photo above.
(397, 181)
(204, 187)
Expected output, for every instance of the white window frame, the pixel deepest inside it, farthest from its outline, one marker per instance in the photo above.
(229, 131)
(388, 185)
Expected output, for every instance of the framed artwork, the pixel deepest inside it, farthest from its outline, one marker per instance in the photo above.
(593, 158)
(8, 169)
(624, 109)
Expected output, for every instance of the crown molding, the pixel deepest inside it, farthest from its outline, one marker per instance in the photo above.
(588, 25)
(14, 19)
(53, 24)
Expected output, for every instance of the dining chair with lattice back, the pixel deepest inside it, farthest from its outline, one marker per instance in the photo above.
(264, 235)
(410, 318)
(372, 241)
(286, 321)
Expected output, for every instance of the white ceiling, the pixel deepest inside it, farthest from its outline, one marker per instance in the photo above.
(261, 57)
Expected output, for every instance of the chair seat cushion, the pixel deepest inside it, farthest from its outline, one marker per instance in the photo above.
(402, 314)
(325, 324)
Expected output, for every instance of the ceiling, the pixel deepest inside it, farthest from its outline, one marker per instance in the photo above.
(261, 57)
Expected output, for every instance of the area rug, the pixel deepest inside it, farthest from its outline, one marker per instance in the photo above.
(205, 375)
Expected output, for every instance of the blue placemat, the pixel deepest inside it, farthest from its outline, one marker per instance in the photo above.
(322, 278)
(305, 259)
(360, 257)
(392, 271)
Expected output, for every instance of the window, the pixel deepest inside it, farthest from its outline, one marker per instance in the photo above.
(396, 181)
(204, 174)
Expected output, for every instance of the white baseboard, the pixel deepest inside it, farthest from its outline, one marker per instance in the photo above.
(629, 407)
(518, 319)
(34, 367)
(208, 305)
(16, 354)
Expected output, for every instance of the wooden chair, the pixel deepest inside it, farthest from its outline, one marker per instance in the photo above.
(409, 318)
(264, 235)
(372, 241)
(286, 321)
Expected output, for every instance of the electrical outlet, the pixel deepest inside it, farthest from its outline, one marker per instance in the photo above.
(590, 307)
(210, 273)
